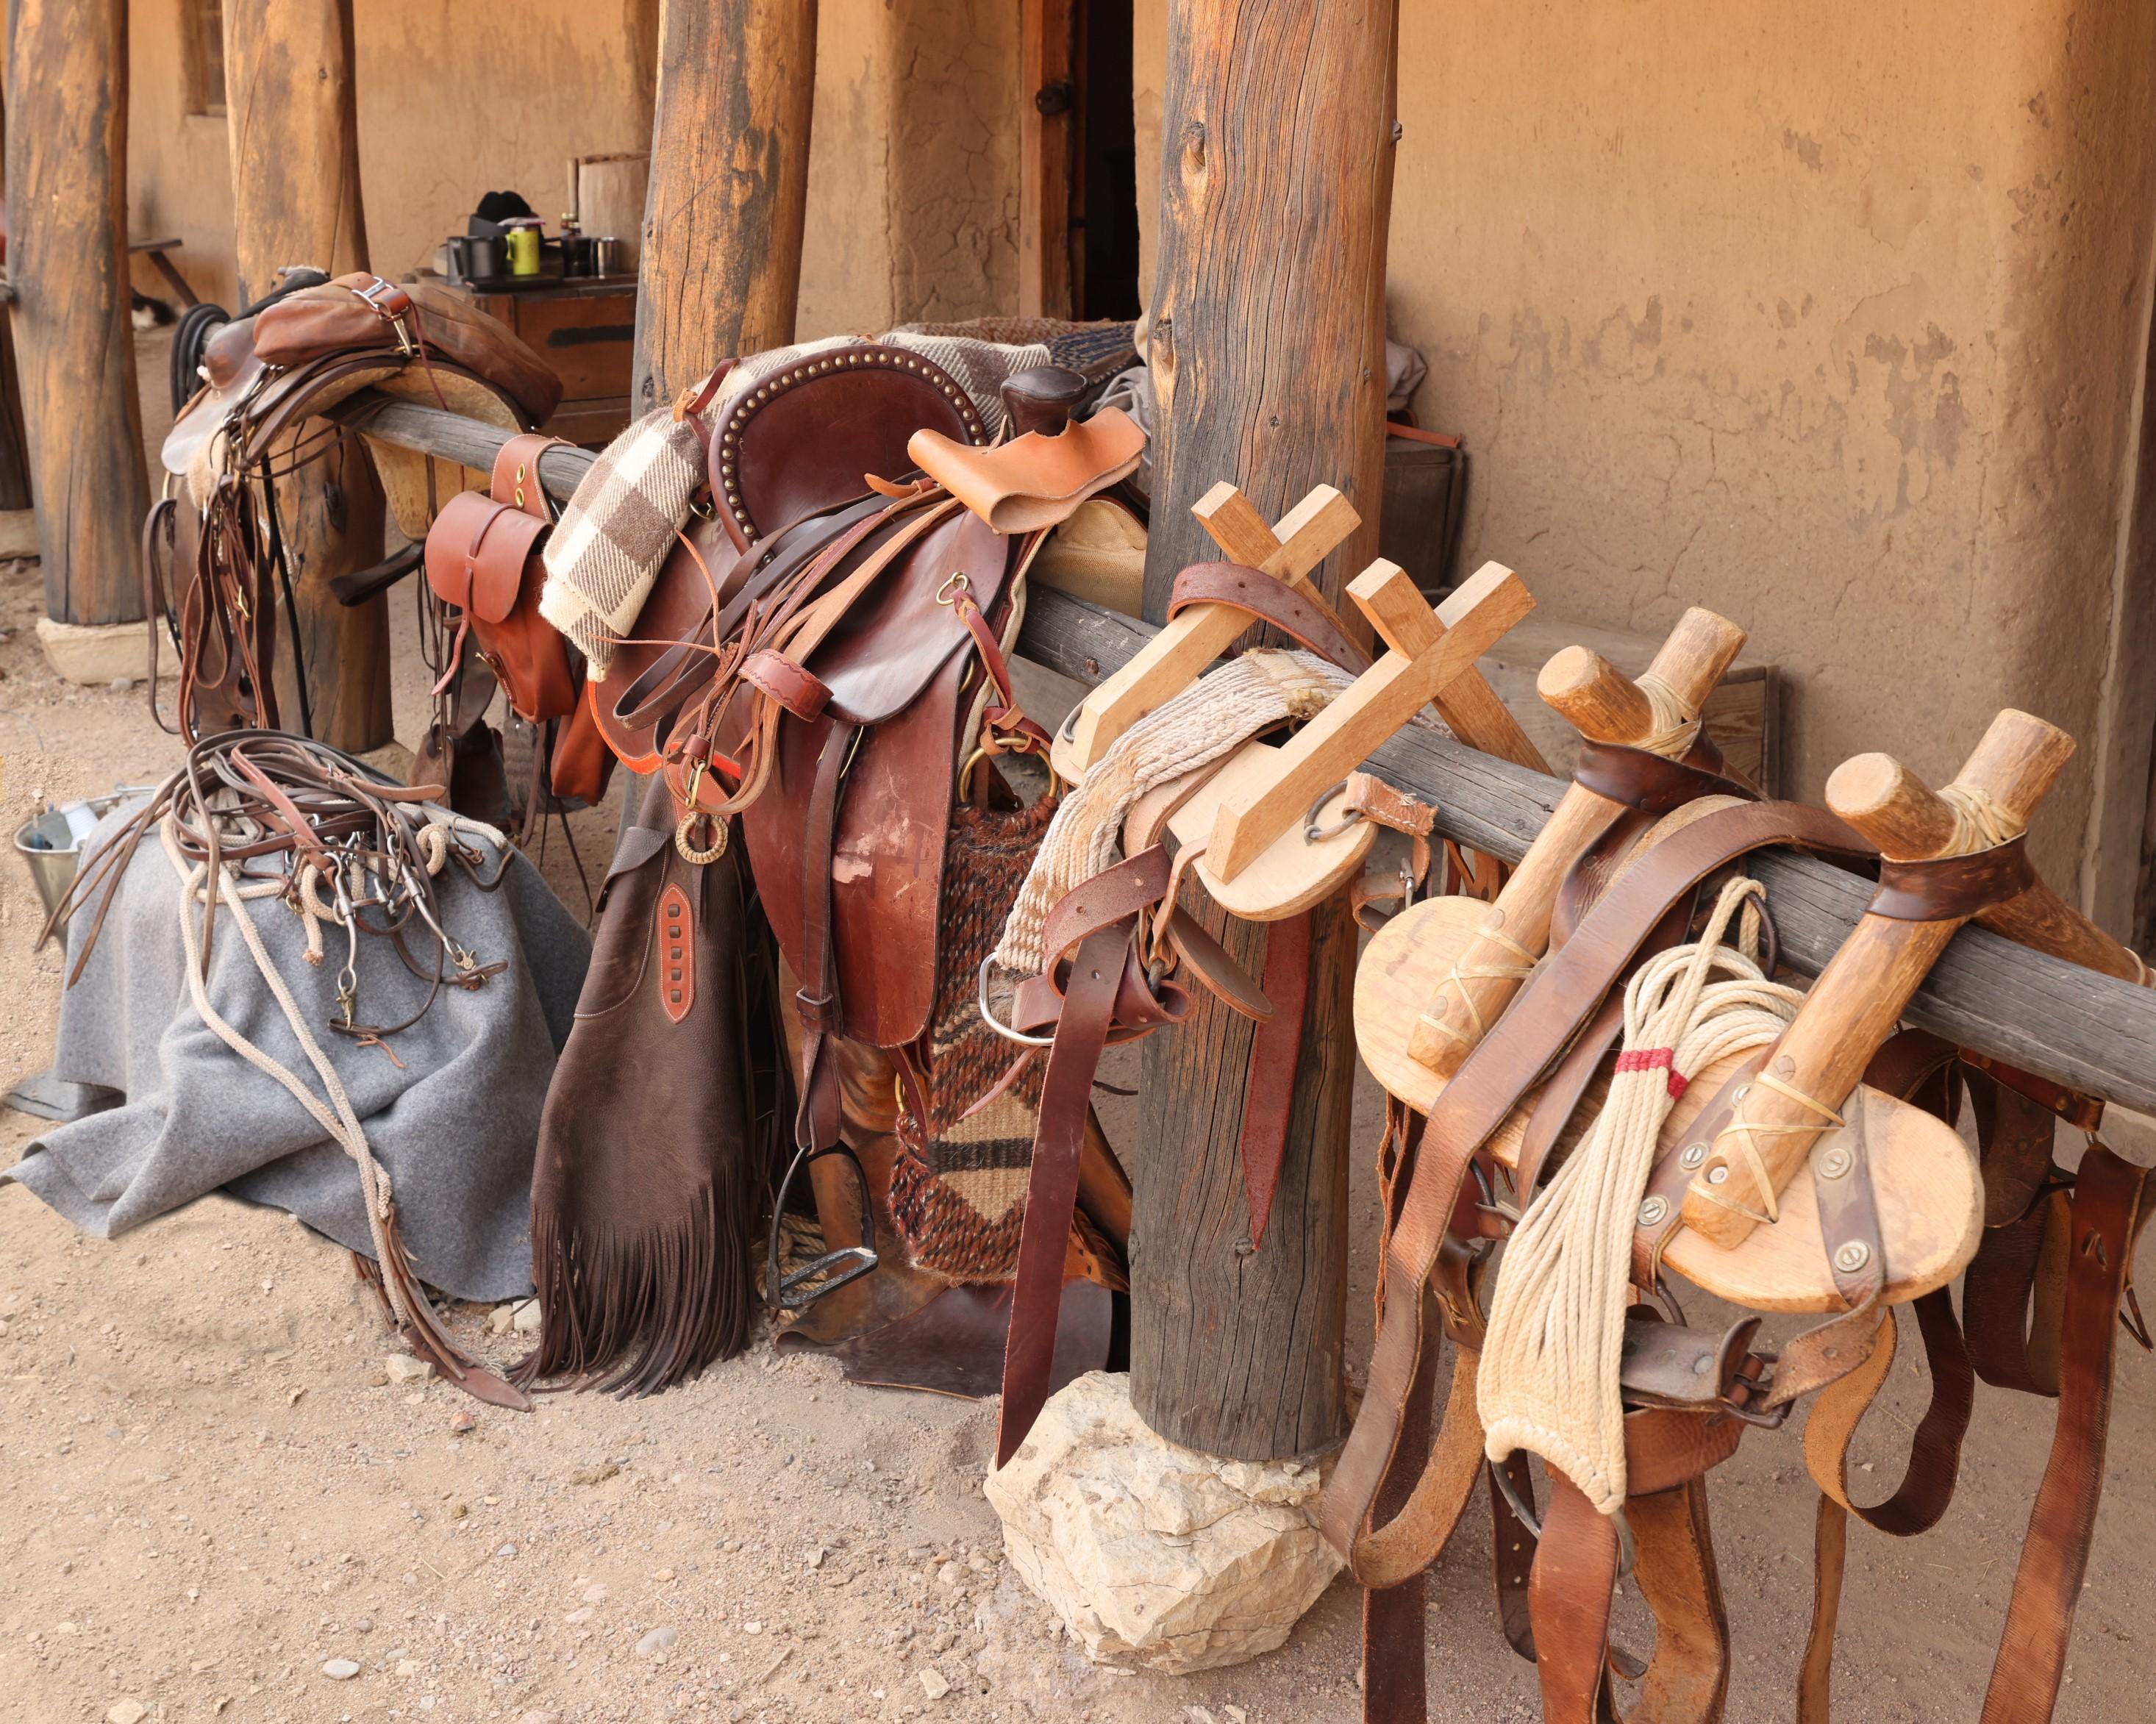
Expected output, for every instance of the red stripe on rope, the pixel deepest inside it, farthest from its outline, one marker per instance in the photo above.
(1654, 1059)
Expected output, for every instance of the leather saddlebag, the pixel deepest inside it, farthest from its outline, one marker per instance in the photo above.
(483, 557)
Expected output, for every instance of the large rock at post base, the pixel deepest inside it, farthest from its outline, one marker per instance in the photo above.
(1154, 1554)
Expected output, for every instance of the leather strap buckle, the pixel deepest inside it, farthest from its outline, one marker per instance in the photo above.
(389, 302)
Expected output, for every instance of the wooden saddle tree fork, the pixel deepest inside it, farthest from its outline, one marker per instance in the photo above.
(1893, 807)
(1431, 650)
(1605, 706)
(1866, 985)
(1191, 640)
(1196, 636)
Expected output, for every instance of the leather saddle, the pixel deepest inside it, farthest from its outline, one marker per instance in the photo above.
(214, 553)
(821, 656)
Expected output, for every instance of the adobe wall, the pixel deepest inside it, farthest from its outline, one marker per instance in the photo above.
(1839, 332)
(913, 205)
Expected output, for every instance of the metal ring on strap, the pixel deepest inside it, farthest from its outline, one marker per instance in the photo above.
(1001, 1028)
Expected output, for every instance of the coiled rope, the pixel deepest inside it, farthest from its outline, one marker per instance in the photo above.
(1548, 1378)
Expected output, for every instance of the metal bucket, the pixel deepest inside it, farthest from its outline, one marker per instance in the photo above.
(51, 848)
(51, 845)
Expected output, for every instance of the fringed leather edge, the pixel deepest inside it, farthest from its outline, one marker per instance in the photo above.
(669, 1300)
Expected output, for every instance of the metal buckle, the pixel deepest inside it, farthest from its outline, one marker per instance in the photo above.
(954, 583)
(389, 302)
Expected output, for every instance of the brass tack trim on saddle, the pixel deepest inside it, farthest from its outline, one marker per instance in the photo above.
(884, 358)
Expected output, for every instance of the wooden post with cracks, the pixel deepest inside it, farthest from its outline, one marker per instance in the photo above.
(1277, 190)
(720, 270)
(293, 121)
(66, 261)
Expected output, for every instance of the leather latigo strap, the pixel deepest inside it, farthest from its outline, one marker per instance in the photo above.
(2110, 1207)
(1112, 995)
(1565, 990)
(1953, 888)
(1274, 1057)
(816, 1121)
(1299, 613)
(1097, 927)
(1648, 786)
(1653, 783)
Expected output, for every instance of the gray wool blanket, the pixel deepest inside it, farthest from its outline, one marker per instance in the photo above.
(454, 1124)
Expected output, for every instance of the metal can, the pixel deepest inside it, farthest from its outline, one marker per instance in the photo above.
(524, 250)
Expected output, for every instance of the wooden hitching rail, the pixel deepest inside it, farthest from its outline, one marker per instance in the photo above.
(2088, 1031)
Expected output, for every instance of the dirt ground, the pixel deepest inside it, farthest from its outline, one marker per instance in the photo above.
(215, 1490)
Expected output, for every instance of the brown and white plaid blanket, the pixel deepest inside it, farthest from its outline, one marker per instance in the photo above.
(618, 529)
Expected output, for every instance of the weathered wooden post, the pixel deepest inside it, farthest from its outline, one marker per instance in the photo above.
(294, 131)
(721, 272)
(67, 259)
(1276, 187)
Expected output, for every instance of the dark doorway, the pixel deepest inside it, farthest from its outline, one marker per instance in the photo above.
(1104, 198)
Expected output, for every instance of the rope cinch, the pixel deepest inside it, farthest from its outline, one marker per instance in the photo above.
(1548, 1378)
(254, 815)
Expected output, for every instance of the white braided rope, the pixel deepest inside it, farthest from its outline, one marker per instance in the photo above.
(1216, 714)
(1549, 1376)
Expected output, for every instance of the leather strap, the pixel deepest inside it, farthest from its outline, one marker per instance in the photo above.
(1568, 1597)
(1513, 1546)
(1688, 1680)
(1275, 1056)
(1395, 1690)
(1639, 779)
(516, 478)
(817, 1120)
(1566, 989)
(1953, 888)
(1051, 1190)
(1297, 613)
(2109, 1209)
(2084, 1113)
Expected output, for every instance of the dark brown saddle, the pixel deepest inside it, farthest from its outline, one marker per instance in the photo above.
(833, 625)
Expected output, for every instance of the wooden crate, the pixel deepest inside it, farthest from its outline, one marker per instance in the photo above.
(1742, 715)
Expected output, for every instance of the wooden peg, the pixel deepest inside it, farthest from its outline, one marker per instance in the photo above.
(1429, 650)
(1891, 806)
(1607, 707)
(1861, 993)
(1194, 638)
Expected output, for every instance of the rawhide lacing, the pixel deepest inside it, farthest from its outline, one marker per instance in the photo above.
(1676, 723)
